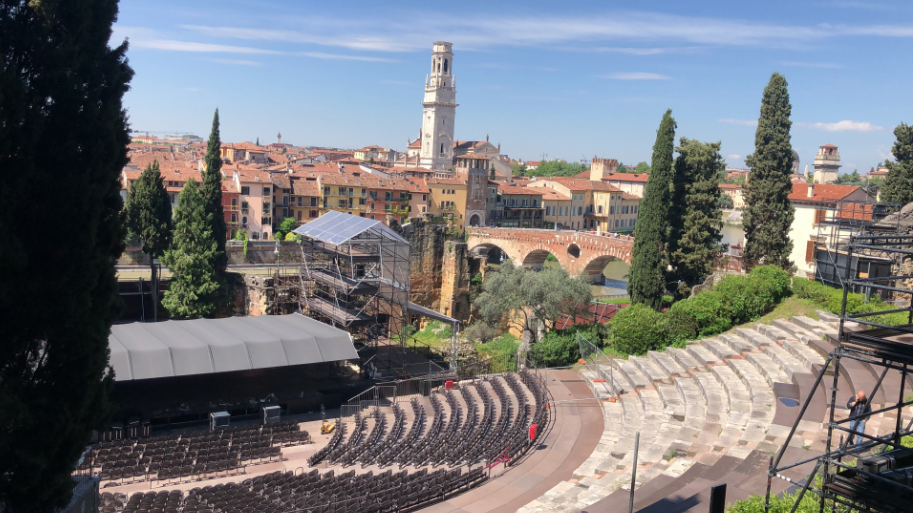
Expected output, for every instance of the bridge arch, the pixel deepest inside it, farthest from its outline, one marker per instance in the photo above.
(536, 257)
(493, 253)
(595, 268)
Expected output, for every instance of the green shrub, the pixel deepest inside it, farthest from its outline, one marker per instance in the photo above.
(776, 279)
(637, 329)
(709, 310)
(679, 328)
(831, 299)
(556, 349)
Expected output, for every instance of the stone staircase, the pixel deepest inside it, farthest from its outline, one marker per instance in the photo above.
(712, 403)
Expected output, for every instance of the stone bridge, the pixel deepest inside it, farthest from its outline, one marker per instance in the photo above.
(576, 251)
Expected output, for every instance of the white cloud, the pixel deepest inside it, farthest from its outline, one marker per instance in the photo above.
(733, 157)
(842, 126)
(640, 51)
(823, 65)
(413, 31)
(188, 46)
(238, 62)
(334, 56)
(635, 75)
(743, 122)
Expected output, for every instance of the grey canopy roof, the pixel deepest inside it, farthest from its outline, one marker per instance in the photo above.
(338, 228)
(205, 346)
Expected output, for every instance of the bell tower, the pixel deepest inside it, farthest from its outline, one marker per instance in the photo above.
(439, 109)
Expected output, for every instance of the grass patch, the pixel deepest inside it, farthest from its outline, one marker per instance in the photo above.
(505, 344)
(791, 307)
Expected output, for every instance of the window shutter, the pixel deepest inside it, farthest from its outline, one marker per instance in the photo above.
(810, 251)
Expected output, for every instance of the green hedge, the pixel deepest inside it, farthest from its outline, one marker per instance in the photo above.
(735, 300)
(560, 348)
(831, 299)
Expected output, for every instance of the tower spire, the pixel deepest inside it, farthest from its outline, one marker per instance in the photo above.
(439, 109)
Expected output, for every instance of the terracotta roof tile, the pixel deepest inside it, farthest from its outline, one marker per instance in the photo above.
(304, 187)
(823, 193)
(524, 191)
(445, 181)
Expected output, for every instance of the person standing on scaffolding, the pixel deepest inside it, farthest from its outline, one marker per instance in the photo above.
(858, 405)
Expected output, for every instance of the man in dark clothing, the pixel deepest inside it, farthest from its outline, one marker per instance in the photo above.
(858, 405)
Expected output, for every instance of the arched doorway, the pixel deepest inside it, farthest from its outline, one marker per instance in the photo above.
(475, 220)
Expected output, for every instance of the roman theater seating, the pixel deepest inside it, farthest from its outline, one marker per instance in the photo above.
(716, 397)
(419, 451)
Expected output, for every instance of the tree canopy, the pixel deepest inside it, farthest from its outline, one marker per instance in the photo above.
(646, 279)
(148, 211)
(557, 168)
(699, 164)
(898, 184)
(63, 145)
(197, 289)
(211, 189)
(534, 299)
(768, 215)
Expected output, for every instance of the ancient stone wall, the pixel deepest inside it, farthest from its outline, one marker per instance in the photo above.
(455, 280)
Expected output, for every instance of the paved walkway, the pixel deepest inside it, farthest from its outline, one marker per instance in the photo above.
(570, 438)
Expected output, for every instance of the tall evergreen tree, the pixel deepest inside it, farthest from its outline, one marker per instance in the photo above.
(768, 213)
(196, 289)
(898, 184)
(63, 144)
(646, 279)
(700, 166)
(148, 213)
(211, 189)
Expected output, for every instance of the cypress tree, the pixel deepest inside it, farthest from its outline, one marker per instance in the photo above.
(646, 279)
(768, 214)
(700, 166)
(63, 144)
(898, 184)
(148, 213)
(196, 289)
(211, 189)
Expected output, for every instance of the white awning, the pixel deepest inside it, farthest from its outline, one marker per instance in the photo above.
(205, 346)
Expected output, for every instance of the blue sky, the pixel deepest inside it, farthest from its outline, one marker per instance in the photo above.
(565, 79)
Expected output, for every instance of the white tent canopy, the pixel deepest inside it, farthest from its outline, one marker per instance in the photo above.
(205, 346)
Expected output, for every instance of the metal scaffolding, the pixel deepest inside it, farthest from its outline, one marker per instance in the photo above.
(355, 275)
(884, 345)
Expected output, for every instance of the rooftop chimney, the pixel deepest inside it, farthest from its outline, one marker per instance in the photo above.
(811, 190)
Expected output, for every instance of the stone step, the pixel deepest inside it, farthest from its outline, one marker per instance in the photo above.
(631, 424)
(787, 326)
(617, 384)
(810, 324)
(738, 394)
(753, 337)
(774, 333)
(737, 343)
(763, 402)
(802, 352)
(686, 442)
(668, 364)
(768, 368)
(828, 318)
(672, 401)
(600, 390)
(685, 359)
(650, 369)
(702, 355)
(713, 392)
(628, 372)
(719, 349)
(613, 424)
(790, 365)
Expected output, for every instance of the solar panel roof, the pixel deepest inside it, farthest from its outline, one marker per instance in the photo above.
(338, 228)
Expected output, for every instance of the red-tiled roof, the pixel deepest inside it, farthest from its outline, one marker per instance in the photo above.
(576, 184)
(552, 195)
(415, 144)
(302, 187)
(247, 175)
(627, 177)
(532, 163)
(823, 193)
(730, 186)
(246, 146)
(519, 191)
(626, 196)
(445, 181)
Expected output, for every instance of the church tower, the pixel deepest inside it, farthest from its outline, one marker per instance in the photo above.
(439, 110)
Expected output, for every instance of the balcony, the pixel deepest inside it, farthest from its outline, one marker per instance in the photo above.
(245, 210)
